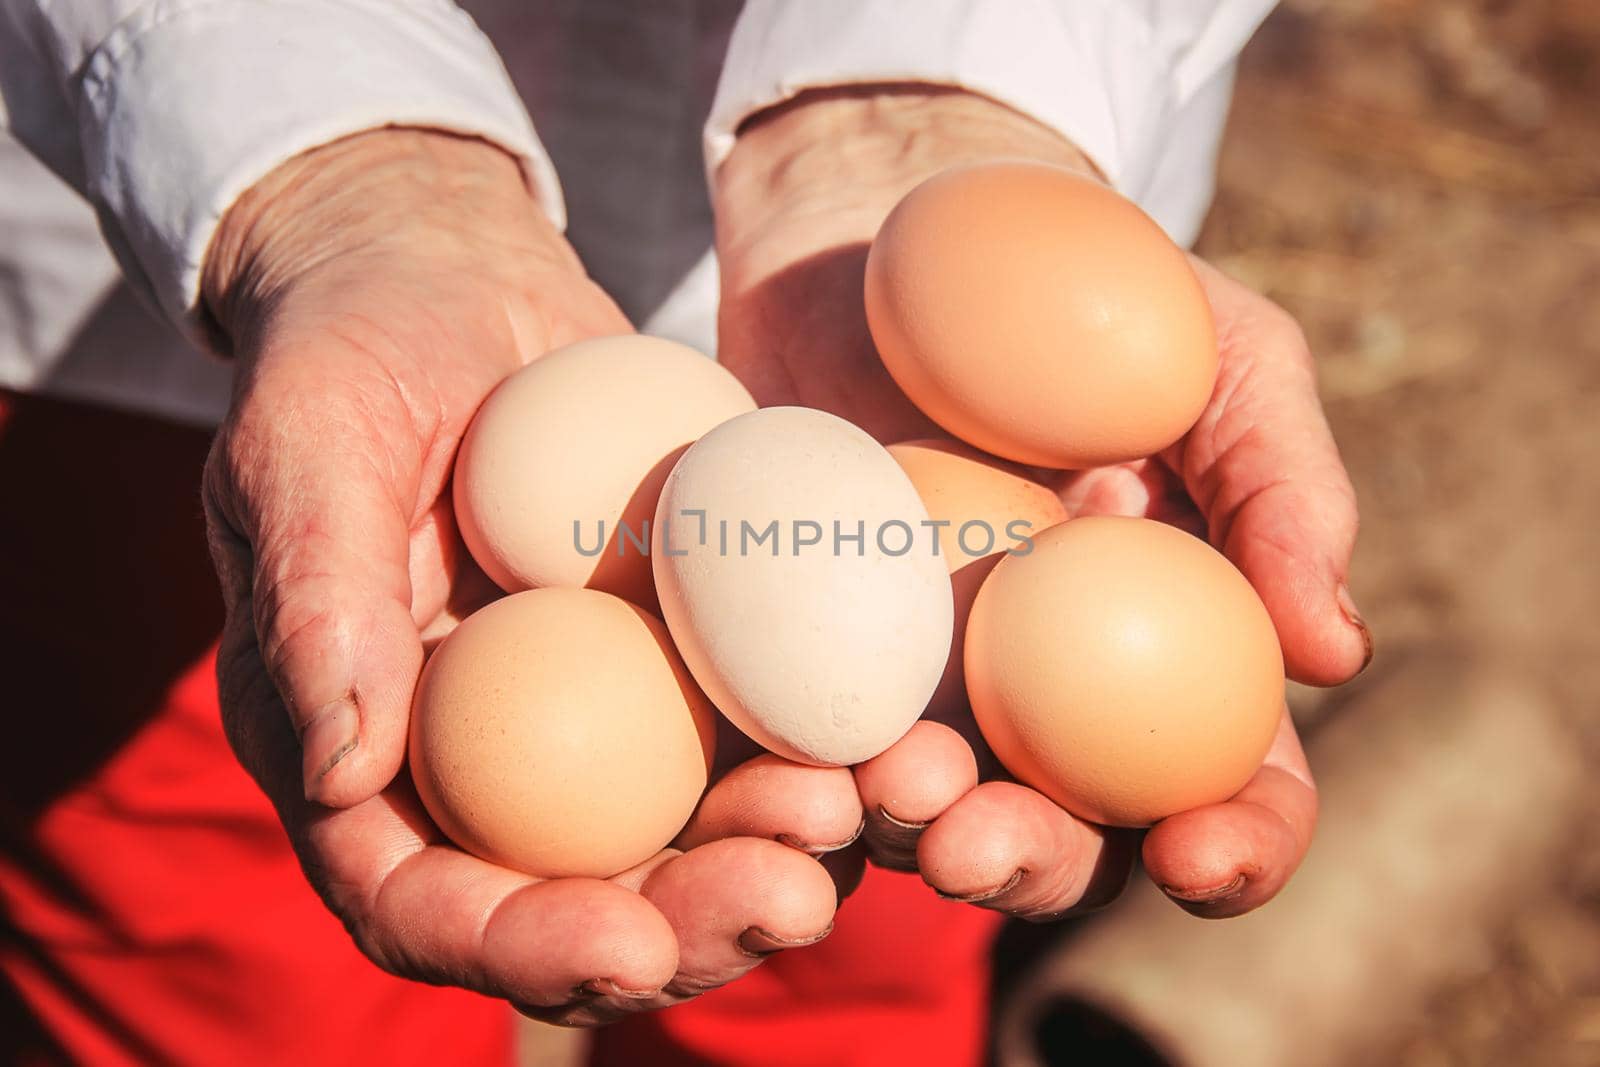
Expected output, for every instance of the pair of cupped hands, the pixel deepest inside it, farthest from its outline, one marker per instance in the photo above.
(373, 291)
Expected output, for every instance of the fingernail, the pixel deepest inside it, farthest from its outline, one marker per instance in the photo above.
(987, 894)
(1214, 895)
(329, 737)
(821, 850)
(884, 813)
(1347, 604)
(605, 987)
(756, 942)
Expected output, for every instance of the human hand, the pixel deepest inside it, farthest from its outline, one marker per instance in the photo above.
(798, 203)
(373, 291)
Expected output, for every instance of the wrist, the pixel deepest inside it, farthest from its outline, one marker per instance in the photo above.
(356, 199)
(910, 124)
(842, 157)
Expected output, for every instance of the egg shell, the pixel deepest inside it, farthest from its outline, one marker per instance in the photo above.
(557, 732)
(585, 434)
(960, 485)
(1040, 316)
(823, 653)
(1125, 669)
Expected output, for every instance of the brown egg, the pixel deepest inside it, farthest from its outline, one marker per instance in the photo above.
(990, 507)
(1125, 669)
(1040, 316)
(557, 732)
(558, 475)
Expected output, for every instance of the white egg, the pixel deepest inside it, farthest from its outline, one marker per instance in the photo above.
(799, 579)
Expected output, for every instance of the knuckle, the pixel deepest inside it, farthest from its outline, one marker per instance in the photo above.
(304, 662)
(296, 610)
(255, 728)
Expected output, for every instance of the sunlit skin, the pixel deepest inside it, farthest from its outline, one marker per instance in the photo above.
(797, 205)
(374, 290)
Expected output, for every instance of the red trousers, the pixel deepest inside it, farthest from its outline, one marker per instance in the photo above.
(152, 909)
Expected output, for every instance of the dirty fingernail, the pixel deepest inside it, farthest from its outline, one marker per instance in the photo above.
(758, 942)
(1212, 895)
(987, 894)
(329, 737)
(605, 987)
(883, 812)
(818, 850)
(1347, 605)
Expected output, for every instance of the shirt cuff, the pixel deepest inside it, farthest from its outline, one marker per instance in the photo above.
(190, 102)
(1102, 76)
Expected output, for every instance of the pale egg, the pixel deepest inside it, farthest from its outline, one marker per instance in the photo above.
(558, 474)
(799, 580)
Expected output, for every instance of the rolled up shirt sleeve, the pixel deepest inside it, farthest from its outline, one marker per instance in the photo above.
(1135, 84)
(179, 106)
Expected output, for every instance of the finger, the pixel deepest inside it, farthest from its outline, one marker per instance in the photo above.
(904, 789)
(1226, 859)
(635, 877)
(308, 486)
(446, 584)
(1262, 465)
(423, 908)
(576, 951)
(1122, 489)
(814, 809)
(1006, 847)
(1141, 488)
(735, 901)
(846, 867)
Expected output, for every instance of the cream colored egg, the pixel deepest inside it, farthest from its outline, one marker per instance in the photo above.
(1125, 669)
(987, 508)
(799, 580)
(1040, 316)
(558, 475)
(557, 732)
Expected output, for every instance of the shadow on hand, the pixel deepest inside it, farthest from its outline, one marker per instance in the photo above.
(799, 336)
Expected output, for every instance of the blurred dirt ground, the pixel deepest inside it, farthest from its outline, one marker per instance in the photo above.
(1419, 182)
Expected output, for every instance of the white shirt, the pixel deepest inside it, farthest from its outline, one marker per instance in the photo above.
(161, 112)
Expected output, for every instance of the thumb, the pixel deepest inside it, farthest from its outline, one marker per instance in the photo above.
(1263, 467)
(310, 492)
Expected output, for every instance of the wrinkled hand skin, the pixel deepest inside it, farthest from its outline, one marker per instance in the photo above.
(798, 202)
(372, 292)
